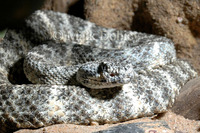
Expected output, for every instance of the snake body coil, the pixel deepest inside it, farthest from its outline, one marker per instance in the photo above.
(58, 98)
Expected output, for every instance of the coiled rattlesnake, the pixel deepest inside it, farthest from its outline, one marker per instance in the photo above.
(158, 75)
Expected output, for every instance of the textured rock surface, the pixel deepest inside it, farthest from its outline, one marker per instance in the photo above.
(58, 5)
(110, 13)
(172, 19)
(139, 127)
(188, 102)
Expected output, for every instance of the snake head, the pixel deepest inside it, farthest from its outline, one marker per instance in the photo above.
(105, 74)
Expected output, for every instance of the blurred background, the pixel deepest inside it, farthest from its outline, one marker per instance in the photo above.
(13, 12)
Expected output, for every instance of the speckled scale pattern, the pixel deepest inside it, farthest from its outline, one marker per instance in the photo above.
(61, 61)
(152, 90)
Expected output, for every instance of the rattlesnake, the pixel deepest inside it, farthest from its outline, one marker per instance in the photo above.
(158, 74)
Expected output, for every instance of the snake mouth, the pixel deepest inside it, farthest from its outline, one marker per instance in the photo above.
(100, 83)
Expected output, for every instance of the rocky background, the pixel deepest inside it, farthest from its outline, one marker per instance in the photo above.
(178, 20)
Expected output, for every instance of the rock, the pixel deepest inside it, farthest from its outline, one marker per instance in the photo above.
(58, 5)
(188, 101)
(140, 127)
(171, 19)
(110, 13)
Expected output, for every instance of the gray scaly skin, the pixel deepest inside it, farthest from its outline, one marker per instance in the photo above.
(55, 63)
(152, 90)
